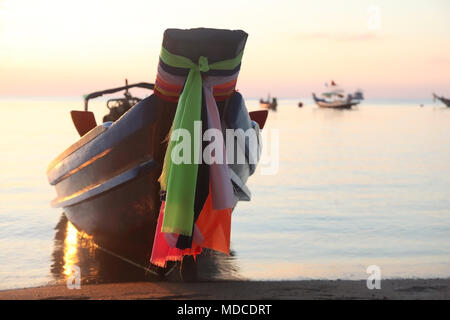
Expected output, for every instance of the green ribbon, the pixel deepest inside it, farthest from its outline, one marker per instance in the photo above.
(180, 180)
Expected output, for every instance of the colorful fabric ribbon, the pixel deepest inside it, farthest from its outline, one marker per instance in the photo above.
(179, 180)
(221, 187)
(213, 229)
(164, 249)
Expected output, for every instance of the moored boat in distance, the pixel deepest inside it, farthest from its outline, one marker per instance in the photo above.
(270, 104)
(441, 99)
(335, 98)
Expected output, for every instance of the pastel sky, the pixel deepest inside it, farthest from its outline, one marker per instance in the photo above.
(390, 49)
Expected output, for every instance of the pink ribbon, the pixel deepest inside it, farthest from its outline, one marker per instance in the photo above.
(221, 188)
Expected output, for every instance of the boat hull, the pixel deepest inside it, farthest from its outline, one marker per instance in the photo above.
(269, 106)
(128, 212)
(107, 182)
(336, 105)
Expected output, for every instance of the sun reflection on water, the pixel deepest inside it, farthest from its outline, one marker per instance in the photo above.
(70, 249)
(73, 242)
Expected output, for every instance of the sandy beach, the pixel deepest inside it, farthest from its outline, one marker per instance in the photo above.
(241, 290)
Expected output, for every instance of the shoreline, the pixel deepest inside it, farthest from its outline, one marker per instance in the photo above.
(438, 289)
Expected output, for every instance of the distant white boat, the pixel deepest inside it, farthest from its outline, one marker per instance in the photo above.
(335, 98)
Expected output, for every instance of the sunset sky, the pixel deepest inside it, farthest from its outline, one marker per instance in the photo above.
(390, 49)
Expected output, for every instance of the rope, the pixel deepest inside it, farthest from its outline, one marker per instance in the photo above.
(126, 260)
(84, 236)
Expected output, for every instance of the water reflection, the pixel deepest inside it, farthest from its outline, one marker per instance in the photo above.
(112, 261)
(70, 249)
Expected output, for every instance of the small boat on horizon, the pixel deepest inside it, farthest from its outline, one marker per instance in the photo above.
(441, 99)
(335, 98)
(269, 104)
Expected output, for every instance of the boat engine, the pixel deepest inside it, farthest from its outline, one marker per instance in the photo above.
(117, 107)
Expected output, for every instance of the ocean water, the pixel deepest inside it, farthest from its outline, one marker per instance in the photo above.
(354, 188)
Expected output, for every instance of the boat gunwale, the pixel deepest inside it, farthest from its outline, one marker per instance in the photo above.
(142, 116)
(88, 137)
(95, 190)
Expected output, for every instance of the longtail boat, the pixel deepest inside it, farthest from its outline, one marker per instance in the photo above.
(441, 99)
(270, 104)
(335, 98)
(116, 181)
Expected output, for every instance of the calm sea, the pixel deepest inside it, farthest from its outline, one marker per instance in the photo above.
(369, 186)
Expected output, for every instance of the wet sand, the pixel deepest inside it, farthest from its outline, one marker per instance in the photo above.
(241, 290)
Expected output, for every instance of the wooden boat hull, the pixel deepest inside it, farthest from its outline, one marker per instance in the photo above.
(336, 105)
(269, 106)
(107, 182)
(129, 211)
